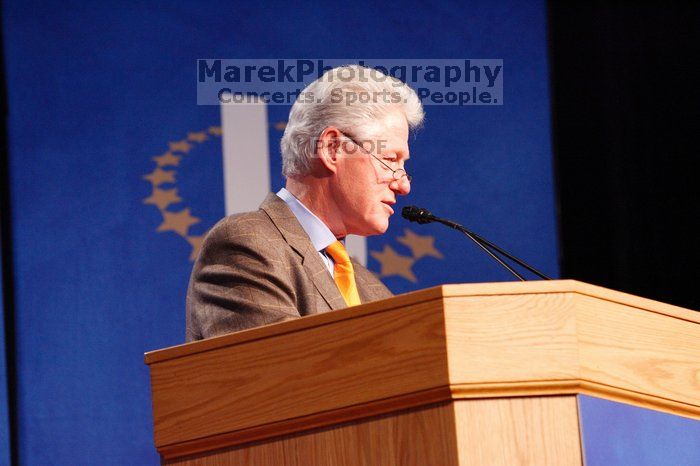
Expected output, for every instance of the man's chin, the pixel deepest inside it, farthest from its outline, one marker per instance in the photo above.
(374, 227)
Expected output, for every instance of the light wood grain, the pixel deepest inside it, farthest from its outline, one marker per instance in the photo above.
(541, 343)
(538, 431)
(644, 352)
(569, 286)
(303, 423)
(428, 294)
(291, 326)
(312, 371)
(456, 342)
(511, 338)
(498, 432)
(418, 437)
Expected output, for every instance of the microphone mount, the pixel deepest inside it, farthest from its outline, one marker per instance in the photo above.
(423, 216)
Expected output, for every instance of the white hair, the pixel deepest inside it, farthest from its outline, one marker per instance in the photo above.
(352, 98)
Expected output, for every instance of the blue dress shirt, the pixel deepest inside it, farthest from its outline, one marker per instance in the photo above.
(320, 235)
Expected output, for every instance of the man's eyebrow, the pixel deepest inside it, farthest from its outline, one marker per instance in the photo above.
(397, 150)
(400, 154)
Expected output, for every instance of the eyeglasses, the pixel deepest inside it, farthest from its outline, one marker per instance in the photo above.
(397, 173)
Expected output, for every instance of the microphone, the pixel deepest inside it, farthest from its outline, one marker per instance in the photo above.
(416, 214)
(423, 216)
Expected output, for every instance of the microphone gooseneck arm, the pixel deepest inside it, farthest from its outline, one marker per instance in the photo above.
(477, 240)
(423, 216)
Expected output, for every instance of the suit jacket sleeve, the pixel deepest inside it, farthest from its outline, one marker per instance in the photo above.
(239, 281)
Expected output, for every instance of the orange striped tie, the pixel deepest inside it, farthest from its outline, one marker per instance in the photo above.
(344, 274)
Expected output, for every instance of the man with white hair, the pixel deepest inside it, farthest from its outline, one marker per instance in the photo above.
(343, 150)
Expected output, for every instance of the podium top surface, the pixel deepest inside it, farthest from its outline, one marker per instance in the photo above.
(491, 340)
(429, 294)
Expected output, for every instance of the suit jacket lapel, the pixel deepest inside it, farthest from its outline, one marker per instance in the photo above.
(360, 281)
(296, 237)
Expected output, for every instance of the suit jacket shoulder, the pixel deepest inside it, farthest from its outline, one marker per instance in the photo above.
(258, 268)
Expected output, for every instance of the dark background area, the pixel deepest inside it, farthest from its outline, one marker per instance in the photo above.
(7, 365)
(625, 115)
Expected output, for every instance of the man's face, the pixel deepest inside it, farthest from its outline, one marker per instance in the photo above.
(365, 189)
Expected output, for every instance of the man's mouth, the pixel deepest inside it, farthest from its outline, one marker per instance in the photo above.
(391, 209)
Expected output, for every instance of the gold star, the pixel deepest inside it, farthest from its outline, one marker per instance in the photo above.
(180, 146)
(215, 130)
(197, 137)
(196, 243)
(158, 177)
(394, 263)
(179, 222)
(420, 245)
(162, 198)
(280, 125)
(167, 159)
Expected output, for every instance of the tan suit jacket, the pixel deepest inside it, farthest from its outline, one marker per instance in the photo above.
(260, 267)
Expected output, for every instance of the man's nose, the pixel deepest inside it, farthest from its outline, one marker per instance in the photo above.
(401, 186)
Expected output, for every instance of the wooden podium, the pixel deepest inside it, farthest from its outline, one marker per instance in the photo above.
(478, 374)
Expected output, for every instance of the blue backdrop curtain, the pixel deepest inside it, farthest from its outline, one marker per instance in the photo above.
(97, 90)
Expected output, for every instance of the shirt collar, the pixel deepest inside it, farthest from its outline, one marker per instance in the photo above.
(320, 235)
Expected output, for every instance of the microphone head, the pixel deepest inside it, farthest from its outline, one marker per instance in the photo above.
(416, 214)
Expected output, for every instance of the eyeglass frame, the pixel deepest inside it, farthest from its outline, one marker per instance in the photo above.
(393, 171)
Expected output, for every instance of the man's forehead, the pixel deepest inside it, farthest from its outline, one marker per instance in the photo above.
(394, 120)
(393, 128)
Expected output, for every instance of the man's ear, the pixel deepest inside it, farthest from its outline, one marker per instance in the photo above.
(328, 147)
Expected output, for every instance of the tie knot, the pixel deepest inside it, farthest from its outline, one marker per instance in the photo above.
(338, 252)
